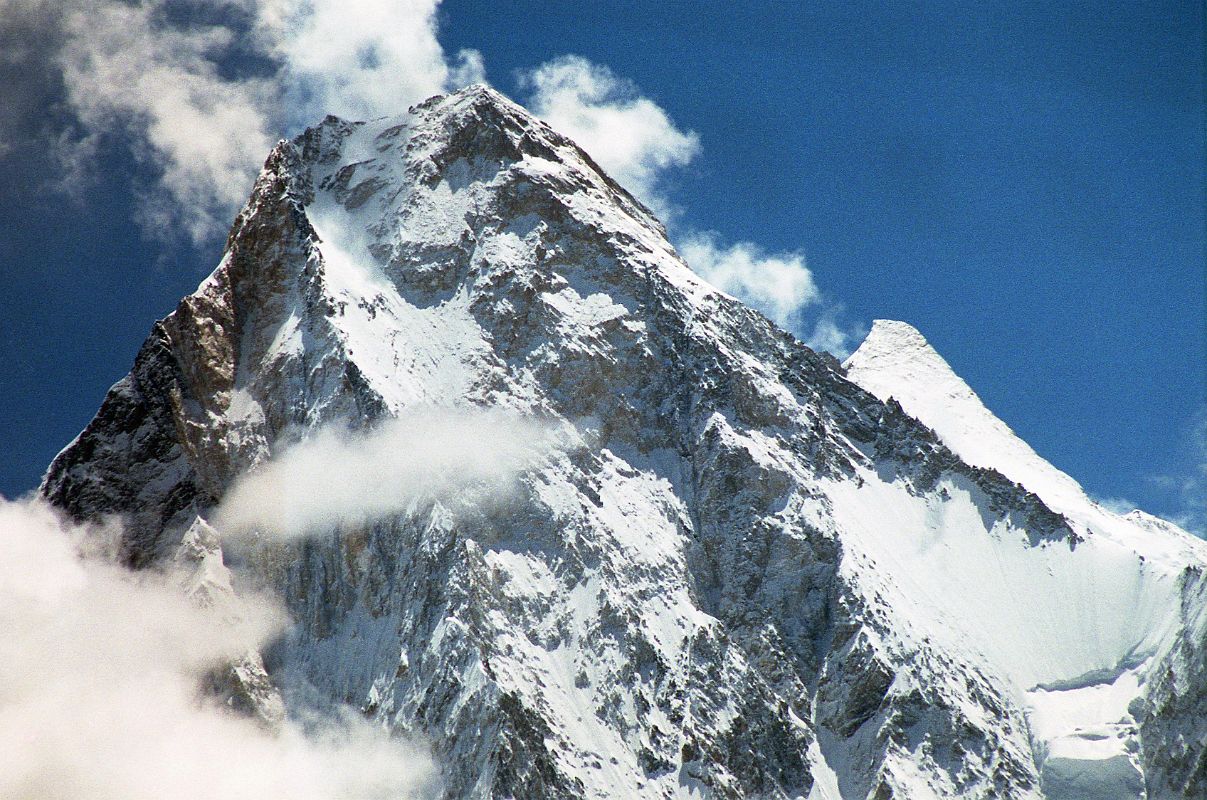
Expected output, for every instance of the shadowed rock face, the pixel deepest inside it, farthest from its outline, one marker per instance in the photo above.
(1171, 715)
(669, 603)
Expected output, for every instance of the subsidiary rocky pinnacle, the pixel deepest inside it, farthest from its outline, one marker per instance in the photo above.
(738, 575)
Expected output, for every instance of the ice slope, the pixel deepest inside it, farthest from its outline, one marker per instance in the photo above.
(895, 361)
(1074, 631)
(739, 575)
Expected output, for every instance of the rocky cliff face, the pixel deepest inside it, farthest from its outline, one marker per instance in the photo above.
(742, 575)
(1172, 710)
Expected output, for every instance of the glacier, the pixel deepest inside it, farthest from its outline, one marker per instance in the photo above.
(745, 570)
(1079, 704)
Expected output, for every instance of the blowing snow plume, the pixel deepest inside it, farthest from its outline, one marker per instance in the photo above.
(100, 693)
(337, 476)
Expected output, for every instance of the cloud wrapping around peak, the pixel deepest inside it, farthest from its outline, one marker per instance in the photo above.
(459, 458)
(629, 135)
(199, 90)
(101, 692)
(360, 58)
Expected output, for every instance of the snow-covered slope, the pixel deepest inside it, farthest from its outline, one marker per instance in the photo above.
(1129, 576)
(896, 361)
(738, 575)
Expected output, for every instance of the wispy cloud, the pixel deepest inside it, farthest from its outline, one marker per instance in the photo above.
(629, 135)
(637, 143)
(29, 36)
(461, 457)
(1188, 488)
(1116, 505)
(129, 73)
(778, 284)
(199, 90)
(101, 698)
(831, 333)
(1179, 495)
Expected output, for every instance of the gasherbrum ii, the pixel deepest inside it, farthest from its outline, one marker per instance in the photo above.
(747, 571)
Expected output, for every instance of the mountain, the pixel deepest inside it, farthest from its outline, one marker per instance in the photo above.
(745, 571)
(1101, 718)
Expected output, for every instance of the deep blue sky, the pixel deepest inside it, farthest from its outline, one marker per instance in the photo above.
(1025, 186)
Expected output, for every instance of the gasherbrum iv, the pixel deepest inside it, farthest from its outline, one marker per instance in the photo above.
(746, 571)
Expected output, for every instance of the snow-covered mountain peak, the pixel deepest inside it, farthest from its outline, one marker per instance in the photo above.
(889, 336)
(742, 576)
(476, 131)
(1080, 708)
(895, 360)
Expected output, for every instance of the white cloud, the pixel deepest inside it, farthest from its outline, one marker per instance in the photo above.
(629, 135)
(360, 58)
(163, 77)
(832, 336)
(780, 285)
(463, 457)
(128, 72)
(1189, 489)
(101, 698)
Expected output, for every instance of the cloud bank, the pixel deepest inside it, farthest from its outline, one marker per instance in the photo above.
(455, 457)
(100, 694)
